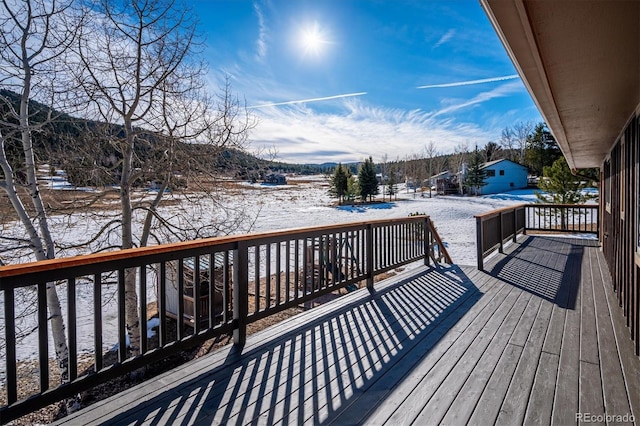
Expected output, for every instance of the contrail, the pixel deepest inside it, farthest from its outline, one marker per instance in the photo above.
(467, 83)
(326, 98)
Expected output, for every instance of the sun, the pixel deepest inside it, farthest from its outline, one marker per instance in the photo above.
(313, 39)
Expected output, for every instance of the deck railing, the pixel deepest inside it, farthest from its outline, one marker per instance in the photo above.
(495, 228)
(238, 280)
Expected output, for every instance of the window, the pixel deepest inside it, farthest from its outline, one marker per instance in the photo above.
(501, 172)
(491, 173)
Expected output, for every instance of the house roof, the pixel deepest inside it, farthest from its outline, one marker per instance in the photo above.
(492, 163)
(580, 63)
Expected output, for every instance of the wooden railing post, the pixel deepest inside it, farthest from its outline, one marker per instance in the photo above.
(427, 240)
(479, 243)
(501, 249)
(240, 293)
(370, 253)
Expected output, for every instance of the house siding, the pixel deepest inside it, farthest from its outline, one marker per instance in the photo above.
(515, 177)
(619, 204)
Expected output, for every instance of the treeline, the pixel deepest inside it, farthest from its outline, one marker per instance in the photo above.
(531, 145)
(524, 143)
(87, 152)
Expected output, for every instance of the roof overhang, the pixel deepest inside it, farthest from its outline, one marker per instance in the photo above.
(580, 62)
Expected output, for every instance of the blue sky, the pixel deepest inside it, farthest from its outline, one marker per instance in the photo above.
(341, 80)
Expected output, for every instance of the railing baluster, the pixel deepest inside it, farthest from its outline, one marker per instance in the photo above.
(240, 293)
(287, 268)
(226, 289)
(197, 311)
(72, 326)
(122, 324)
(180, 322)
(211, 290)
(97, 321)
(256, 277)
(312, 264)
(278, 272)
(162, 304)
(267, 263)
(10, 342)
(296, 277)
(143, 309)
(43, 339)
(369, 256)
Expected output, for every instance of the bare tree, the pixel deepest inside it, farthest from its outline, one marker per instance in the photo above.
(431, 152)
(384, 172)
(460, 154)
(34, 38)
(521, 132)
(508, 143)
(138, 71)
(492, 151)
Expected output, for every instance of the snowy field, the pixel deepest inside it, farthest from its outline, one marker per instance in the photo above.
(304, 202)
(308, 204)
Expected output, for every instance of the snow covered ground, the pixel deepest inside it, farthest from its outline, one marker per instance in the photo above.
(308, 204)
(304, 202)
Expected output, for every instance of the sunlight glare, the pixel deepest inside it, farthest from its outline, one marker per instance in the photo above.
(313, 40)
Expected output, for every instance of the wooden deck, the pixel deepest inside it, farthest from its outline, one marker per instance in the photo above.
(536, 338)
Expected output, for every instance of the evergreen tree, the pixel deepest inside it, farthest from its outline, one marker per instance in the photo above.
(352, 187)
(476, 175)
(339, 182)
(542, 150)
(560, 185)
(367, 180)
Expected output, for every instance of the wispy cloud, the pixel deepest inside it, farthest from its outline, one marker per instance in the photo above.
(471, 82)
(499, 92)
(445, 38)
(304, 101)
(262, 33)
(356, 132)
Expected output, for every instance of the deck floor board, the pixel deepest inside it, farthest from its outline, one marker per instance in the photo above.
(533, 339)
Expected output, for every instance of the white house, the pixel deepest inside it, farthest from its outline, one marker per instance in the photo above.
(503, 175)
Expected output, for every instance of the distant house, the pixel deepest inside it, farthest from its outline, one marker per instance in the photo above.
(433, 180)
(275, 179)
(445, 183)
(503, 175)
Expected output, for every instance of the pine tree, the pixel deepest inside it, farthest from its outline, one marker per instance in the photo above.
(542, 149)
(560, 185)
(352, 187)
(476, 175)
(367, 180)
(339, 183)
